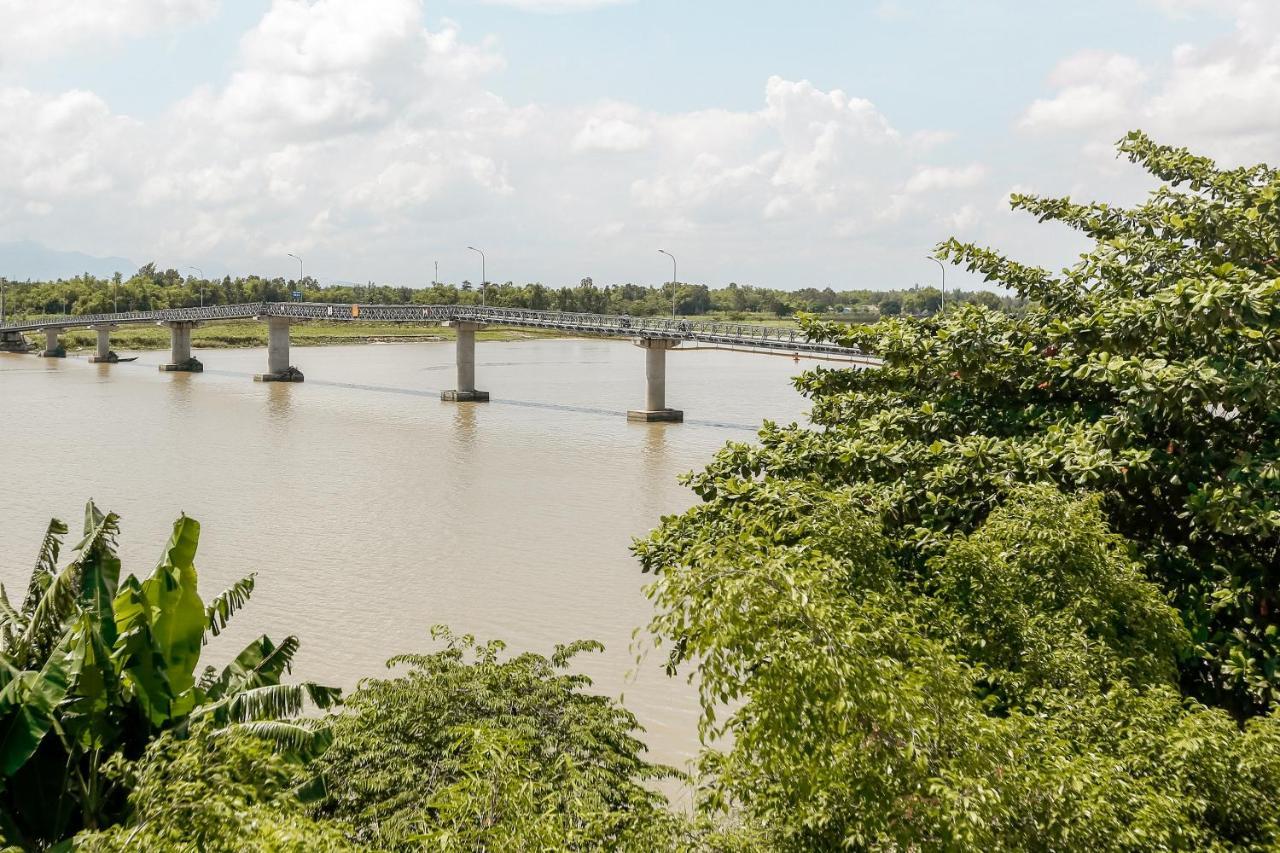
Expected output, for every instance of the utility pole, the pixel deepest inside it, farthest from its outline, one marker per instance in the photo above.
(197, 269)
(675, 276)
(435, 279)
(484, 281)
(944, 283)
(300, 276)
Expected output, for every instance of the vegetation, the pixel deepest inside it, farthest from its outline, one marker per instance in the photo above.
(1014, 589)
(466, 751)
(150, 288)
(94, 667)
(216, 793)
(938, 617)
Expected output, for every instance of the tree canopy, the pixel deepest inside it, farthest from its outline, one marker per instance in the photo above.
(1015, 587)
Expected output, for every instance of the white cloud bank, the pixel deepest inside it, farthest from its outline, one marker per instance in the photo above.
(1223, 97)
(43, 28)
(356, 134)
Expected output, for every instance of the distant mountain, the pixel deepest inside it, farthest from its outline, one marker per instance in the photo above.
(27, 260)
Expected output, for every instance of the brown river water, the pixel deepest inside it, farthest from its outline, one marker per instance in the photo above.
(371, 510)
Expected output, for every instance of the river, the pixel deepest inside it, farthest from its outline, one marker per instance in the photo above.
(371, 510)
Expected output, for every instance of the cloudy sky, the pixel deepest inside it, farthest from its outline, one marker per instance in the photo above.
(787, 144)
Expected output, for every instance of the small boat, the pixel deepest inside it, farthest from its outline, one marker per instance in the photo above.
(132, 358)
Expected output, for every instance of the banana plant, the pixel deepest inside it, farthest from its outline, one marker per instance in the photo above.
(92, 668)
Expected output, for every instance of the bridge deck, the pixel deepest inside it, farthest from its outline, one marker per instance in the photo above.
(742, 335)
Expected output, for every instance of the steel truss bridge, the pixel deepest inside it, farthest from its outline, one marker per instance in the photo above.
(735, 335)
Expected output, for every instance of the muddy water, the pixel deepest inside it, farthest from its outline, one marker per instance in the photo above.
(371, 510)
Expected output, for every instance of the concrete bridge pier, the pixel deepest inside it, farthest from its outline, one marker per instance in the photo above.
(655, 395)
(180, 358)
(278, 367)
(466, 357)
(52, 348)
(104, 355)
(13, 342)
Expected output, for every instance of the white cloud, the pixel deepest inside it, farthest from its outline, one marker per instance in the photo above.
(1223, 96)
(963, 219)
(617, 129)
(1094, 89)
(932, 178)
(37, 30)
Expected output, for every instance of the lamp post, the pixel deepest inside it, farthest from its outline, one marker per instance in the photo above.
(483, 281)
(944, 282)
(299, 260)
(197, 269)
(674, 278)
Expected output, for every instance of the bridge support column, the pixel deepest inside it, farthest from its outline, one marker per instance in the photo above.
(104, 355)
(278, 367)
(655, 395)
(13, 342)
(180, 358)
(466, 357)
(52, 348)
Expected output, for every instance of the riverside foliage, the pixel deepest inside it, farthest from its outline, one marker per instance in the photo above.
(1015, 589)
(938, 616)
(94, 667)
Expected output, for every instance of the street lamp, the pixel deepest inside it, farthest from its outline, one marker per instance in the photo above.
(299, 260)
(483, 281)
(197, 269)
(674, 277)
(944, 282)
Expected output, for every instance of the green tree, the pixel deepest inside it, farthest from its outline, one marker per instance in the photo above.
(217, 792)
(914, 640)
(469, 751)
(1146, 372)
(93, 667)
(1018, 694)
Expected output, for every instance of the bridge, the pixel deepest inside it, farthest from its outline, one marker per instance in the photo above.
(655, 335)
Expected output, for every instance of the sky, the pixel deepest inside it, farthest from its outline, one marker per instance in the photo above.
(782, 144)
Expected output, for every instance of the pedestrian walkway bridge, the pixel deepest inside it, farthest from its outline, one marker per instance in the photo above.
(655, 335)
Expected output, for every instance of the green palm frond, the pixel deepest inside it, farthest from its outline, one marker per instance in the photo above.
(259, 664)
(207, 679)
(11, 622)
(306, 739)
(46, 564)
(272, 702)
(50, 614)
(224, 606)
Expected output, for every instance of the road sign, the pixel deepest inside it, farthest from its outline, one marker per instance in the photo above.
(297, 295)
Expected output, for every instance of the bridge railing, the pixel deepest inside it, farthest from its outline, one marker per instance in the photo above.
(160, 315)
(613, 325)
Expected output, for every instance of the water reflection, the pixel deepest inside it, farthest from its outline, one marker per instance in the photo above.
(279, 401)
(464, 424)
(179, 391)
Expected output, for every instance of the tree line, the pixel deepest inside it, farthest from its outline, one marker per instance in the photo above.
(151, 288)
